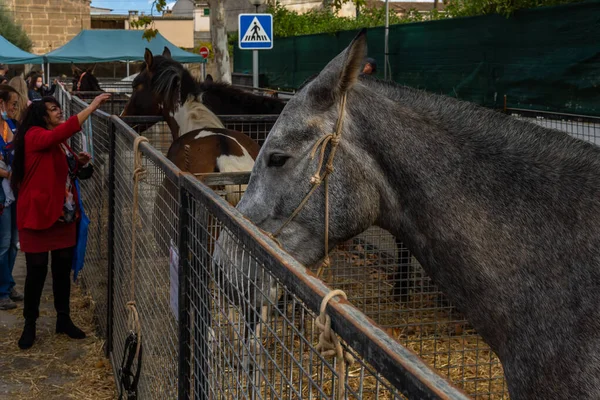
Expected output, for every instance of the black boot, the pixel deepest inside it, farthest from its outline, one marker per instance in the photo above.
(28, 335)
(61, 286)
(37, 267)
(65, 325)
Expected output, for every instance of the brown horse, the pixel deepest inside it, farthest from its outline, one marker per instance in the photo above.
(164, 87)
(212, 148)
(84, 80)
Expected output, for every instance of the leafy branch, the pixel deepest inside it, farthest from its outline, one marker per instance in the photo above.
(146, 22)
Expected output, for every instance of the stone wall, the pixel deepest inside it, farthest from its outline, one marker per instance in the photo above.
(50, 23)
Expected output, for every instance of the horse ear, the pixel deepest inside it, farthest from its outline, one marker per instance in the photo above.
(342, 72)
(75, 70)
(355, 54)
(208, 78)
(166, 52)
(148, 58)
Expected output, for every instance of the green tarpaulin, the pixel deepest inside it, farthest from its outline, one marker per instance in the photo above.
(545, 58)
(11, 54)
(105, 45)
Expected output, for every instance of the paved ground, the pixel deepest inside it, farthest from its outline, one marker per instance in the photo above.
(56, 367)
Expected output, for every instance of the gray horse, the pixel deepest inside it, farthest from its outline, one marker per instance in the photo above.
(503, 215)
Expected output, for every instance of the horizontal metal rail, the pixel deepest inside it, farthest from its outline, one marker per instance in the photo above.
(553, 115)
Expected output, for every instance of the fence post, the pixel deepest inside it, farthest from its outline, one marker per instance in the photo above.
(111, 238)
(183, 326)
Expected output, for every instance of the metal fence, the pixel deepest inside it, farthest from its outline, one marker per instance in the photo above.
(580, 126)
(257, 127)
(203, 340)
(199, 341)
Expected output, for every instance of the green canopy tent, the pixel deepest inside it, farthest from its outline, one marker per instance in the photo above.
(106, 45)
(11, 54)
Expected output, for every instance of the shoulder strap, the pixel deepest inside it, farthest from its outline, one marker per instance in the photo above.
(5, 129)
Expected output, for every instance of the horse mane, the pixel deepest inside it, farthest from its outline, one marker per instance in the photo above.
(174, 84)
(214, 93)
(492, 132)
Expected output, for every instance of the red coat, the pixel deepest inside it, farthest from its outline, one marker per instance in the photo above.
(42, 192)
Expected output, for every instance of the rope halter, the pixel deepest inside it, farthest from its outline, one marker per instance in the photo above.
(79, 82)
(320, 177)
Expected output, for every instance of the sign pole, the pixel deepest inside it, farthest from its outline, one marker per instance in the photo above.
(255, 62)
(255, 32)
(255, 69)
(204, 52)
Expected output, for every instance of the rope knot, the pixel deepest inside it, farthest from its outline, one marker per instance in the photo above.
(336, 139)
(329, 344)
(315, 179)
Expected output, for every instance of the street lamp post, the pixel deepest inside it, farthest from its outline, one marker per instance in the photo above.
(256, 4)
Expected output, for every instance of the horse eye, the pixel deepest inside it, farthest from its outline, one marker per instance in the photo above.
(277, 160)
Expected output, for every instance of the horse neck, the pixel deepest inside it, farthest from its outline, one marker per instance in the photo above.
(195, 115)
(227, 100)
(188, 85)
(471, 192)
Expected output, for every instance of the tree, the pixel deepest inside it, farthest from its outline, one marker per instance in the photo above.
(218, 34)
(468, 8)
(12, 31)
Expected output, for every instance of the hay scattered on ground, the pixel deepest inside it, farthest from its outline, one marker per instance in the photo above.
(57, 367)
(426, 323)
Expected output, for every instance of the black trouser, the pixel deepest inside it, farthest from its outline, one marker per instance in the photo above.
(37, 269)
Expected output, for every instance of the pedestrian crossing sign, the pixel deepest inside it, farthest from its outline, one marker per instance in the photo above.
(255, 31)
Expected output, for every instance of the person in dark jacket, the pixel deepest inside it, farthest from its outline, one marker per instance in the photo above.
(37, 89)
(43, 174)
(9, 101)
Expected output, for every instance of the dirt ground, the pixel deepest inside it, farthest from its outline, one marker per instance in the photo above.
(56, 367)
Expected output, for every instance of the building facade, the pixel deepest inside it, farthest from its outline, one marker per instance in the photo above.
(51, 23)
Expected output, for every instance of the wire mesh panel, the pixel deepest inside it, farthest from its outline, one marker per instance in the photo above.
(255, 126)
(383, 280)
(251, 332)
(145, 236)
(114, 106)
(153, 128)
(579, 126)
(94, 192)
(116, 86)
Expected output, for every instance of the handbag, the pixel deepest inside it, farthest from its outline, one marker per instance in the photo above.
(86, 172)
(82, 236)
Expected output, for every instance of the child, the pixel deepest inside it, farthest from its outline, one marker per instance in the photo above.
(9, 196)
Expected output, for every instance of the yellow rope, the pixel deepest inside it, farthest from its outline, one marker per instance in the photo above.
(317, 179)
(139, 173)
(329, 344)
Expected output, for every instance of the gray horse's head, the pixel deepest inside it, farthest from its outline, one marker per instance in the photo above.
(283, 170)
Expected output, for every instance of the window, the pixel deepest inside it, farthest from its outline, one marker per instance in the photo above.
(206, 12)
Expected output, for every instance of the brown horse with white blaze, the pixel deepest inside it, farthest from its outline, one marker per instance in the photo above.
(212, 147)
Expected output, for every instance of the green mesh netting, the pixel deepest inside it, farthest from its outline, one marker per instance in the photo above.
(545, 58)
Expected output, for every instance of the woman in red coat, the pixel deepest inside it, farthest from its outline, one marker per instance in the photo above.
(43, 173)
